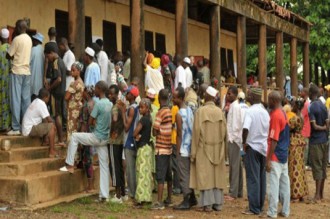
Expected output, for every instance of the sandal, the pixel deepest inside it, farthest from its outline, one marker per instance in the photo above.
(65, 169)
(229, 198)
(61, 144)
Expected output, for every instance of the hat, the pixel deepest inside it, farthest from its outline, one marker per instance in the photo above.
(241, 95)
(51, 47)
(39, 37)
(4, 33)
(211, 91)
(187, 60)
(151, 93)
(89, 51)
(256, 91)
(327, 87)
(133, 90)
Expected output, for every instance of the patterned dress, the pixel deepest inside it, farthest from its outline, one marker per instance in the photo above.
(298, 180)
(5, 117)
(75, 105)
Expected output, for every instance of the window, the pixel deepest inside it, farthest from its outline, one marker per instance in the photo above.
(149, 40)
(109, 37)
(223, 59)
(161, 43)
(62, 26)
(125, 38)
(230, 57)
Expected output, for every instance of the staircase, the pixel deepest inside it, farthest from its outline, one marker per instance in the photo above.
(30, 179)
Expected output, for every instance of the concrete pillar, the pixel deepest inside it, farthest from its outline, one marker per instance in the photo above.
(293, 67)
(262, 60)
(279, 61)
(137, 41)
(306, 66)
(77, 26)
(181, 28)
(241, 51)
(215, 67)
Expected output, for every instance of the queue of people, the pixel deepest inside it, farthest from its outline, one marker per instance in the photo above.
(177, 135)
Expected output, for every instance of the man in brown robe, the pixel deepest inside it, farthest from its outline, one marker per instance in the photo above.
(208, 169)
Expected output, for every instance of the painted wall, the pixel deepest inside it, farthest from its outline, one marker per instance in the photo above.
(42, 16)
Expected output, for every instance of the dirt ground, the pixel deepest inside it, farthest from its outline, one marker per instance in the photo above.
(87, 208)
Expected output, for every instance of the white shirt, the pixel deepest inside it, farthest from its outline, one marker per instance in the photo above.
(103, 61)
(189, 77)
(234, 123)
(68, 60)
(257, 122)
(180, 77)
(35, 113)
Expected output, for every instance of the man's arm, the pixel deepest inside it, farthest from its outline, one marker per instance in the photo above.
(244, 137)
(318, 127)
(270, 154)
(9, 57)
(178, 120)
(127, 120)
(91, 121)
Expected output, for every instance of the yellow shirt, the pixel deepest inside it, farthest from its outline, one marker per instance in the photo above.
(327, 104)
(174, 110)
(20, 49)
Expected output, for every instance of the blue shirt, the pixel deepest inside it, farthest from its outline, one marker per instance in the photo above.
(102, 113)
(187, 127)
(37, 68)
(318, 113)
(92, 74)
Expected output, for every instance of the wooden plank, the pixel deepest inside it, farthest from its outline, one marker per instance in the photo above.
(241, 51)
(181, 29)
(279, 61)
(293, 67)
(77, 26)
(306, 66)
(263, 59)
(249, 10)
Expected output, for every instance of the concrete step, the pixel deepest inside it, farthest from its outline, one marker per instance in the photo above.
(28, 153)
(23, 168)
(44, 187)
(11, 142)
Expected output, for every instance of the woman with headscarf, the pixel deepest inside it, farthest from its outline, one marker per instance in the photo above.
(298, 180)
(74, 98)
(153, 77)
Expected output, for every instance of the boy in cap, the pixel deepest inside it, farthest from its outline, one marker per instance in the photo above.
(93, 72)
(130, 119)
(57, 85)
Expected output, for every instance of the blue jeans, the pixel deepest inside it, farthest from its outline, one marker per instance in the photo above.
(255, 164)
(20, 98)
(278, 189)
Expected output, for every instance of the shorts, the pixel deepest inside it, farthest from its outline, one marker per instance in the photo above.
(58, 106)
(163, 169)
(41, 130)
(318, 156)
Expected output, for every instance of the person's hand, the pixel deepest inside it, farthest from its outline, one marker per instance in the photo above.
(244, 148)
(137, 138)
(121, 105)
(268, 166)
(46, 83)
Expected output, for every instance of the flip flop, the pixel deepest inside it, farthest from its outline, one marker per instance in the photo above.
(229, 198)
(54, 156)
(65, 169)
(61, 144)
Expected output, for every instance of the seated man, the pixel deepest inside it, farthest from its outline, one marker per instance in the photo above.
(37, 121)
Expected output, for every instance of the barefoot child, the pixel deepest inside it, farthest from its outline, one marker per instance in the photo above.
(142, 134)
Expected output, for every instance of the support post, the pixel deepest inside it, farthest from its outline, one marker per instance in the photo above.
(306, 65)
(279, 61)
(263, 59)
(316, 74)
(137, 41)
(181, 29)
(293, 67)
(241, 51)
(77, 26)
(215, 67)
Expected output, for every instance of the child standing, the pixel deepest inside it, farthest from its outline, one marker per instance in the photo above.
(142, 134)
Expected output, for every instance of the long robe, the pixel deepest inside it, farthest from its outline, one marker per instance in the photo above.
(208, 170)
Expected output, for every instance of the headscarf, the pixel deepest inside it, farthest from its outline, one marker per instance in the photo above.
(155, 64)
(78, 65)
(150, 58)
(165, 60)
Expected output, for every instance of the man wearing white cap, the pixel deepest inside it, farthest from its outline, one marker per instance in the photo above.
(208, 153)
(4, 82)
(93, 72)
(37, 64)
(189, 76)
(20, 79)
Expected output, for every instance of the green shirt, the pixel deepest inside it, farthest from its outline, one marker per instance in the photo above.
(102, 114)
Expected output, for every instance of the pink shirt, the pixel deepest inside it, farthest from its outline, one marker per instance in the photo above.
(306, 131)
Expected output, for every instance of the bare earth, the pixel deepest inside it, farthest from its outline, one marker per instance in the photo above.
(87, 208)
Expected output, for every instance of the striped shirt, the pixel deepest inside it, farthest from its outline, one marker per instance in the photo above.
(163, 124)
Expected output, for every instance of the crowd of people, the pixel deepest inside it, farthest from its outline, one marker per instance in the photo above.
(177, 135)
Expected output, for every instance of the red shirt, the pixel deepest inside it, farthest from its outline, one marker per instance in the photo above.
(306, 131)
(278, 121)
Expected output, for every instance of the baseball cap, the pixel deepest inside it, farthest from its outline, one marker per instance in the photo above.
(133, 90)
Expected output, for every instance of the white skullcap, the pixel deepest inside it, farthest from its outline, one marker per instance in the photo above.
(211, 91)
(187, 60)
(288, 78)
(4, 33)
(151, 93)
(241, 95)
(89, 51)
